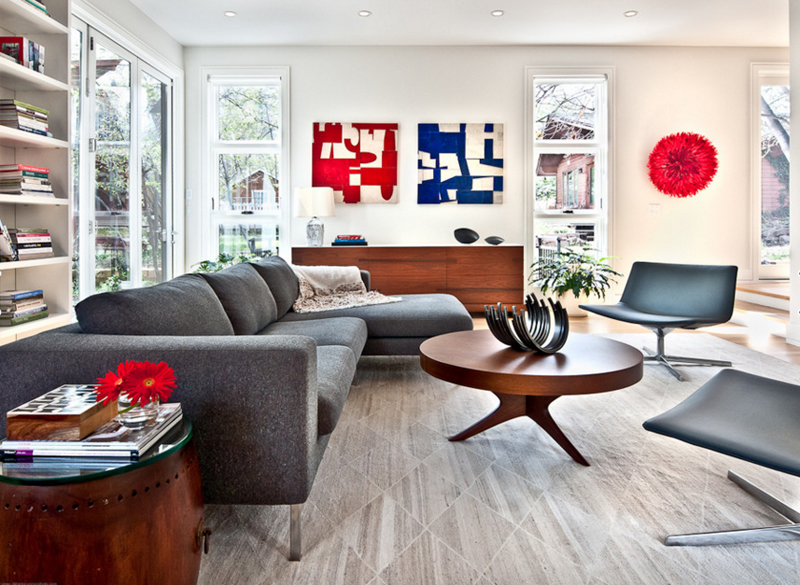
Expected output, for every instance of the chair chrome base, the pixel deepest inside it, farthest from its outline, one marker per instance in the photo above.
(295, 547)
(660, 358)
(747, 535)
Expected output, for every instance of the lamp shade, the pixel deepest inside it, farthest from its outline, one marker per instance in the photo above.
(315, 202)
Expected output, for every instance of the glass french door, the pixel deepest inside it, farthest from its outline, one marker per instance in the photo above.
(123, 198)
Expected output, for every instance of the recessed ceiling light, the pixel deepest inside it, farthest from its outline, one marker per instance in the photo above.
(497, 13)
(630, 13)
(229, 13)
(364, 13)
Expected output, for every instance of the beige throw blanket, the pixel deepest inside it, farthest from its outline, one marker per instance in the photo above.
(323, 288)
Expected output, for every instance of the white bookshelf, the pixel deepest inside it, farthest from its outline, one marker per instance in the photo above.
(48, 90)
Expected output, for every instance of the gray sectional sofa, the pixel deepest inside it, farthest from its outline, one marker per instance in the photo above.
(263, 386)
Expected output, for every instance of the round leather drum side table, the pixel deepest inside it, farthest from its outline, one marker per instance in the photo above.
(527, 382)
(136, 522)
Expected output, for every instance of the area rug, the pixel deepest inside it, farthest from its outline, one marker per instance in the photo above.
(395, 503)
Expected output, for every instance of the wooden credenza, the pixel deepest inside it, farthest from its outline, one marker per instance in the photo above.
(477, 276)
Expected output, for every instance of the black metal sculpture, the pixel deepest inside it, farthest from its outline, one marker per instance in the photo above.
(542, 326)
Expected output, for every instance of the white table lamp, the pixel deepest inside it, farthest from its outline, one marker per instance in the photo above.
(315, 202)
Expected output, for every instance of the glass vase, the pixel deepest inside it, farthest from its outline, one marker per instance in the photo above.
(138, 416)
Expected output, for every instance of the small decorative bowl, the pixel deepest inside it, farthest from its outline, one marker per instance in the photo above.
(494, 240)
(466, 235)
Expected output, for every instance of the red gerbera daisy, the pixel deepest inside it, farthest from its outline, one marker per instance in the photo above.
(112, 383)
(146, 382)
(682, 164)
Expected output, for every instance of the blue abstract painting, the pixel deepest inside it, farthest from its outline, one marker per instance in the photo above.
(460, 163)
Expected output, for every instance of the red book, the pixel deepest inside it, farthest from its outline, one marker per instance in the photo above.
(17, 48)
(24, 168)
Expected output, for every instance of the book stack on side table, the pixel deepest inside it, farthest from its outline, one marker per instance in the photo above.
(63, 414)
(349, 240)
(20, 306)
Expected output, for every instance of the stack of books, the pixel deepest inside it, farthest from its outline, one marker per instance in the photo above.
(23, 116)
(38, 4)
(25, 180)
(349, 240)
(21, 306)
(24, 51)
(31, 243)
(109, 440)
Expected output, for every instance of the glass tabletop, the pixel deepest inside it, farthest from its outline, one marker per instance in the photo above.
(41, 471)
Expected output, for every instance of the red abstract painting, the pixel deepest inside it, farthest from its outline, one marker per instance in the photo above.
(358, 161)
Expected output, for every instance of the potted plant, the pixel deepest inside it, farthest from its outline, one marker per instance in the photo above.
(573, 276)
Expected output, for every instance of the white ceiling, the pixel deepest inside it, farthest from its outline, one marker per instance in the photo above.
(468, 22)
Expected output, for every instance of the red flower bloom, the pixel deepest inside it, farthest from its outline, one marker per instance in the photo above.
(111, 384)
(146, 382)
(682, 164)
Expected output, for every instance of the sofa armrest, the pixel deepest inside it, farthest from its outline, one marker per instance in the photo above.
(252, 400)
(366, 278)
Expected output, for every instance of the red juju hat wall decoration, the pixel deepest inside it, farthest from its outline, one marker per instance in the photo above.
(682, 164)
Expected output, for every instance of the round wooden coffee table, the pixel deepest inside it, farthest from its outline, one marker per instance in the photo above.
(526, 382)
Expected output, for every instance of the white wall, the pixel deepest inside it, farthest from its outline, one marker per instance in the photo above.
(658, 91)
(123, 14)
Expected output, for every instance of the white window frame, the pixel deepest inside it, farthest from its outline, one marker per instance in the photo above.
(601, 146)
(211, 217)
(146, 53)
(761, 74)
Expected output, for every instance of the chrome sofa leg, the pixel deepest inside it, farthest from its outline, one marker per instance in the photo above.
(295, 547)
(747, 535)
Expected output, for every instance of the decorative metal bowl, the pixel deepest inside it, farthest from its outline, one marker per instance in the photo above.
(542, 326)
(494, 240)
(466, 235)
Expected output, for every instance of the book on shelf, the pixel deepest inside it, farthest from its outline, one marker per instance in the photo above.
(13, 322)
(30, 237)
(18, 295)
(7, 251)
(24, 51)
(38, 4)
(349, 242)
(349, 237)
(67, 413)
(14, 306)
(110, 440)
(24, 169)
(24, 116)
(17, 313)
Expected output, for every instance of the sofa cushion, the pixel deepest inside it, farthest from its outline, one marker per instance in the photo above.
(245, 297)
(281, 280)
(336, 367)
(185, 305)
(414, 316)
(347, 331)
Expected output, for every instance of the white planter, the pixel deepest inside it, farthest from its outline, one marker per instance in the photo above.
(570, 303)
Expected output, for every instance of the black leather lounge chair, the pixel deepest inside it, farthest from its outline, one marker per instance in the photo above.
(748, 417)
(663, 297)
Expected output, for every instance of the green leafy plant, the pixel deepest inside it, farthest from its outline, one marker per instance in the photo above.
(226, 260)
(578, 271)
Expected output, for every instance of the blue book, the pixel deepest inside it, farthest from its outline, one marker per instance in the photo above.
(16, 295)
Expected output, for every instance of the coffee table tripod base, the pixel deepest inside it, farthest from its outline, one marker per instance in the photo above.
(534, 407)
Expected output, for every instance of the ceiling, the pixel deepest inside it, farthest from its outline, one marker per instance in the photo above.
(469, 22)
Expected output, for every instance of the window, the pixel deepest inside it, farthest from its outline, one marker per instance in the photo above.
(771, 170)
(247, 161)
(122, 163)
(568, 174)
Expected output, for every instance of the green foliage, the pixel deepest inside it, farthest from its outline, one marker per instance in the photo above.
(581, 272)
(226, 260)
